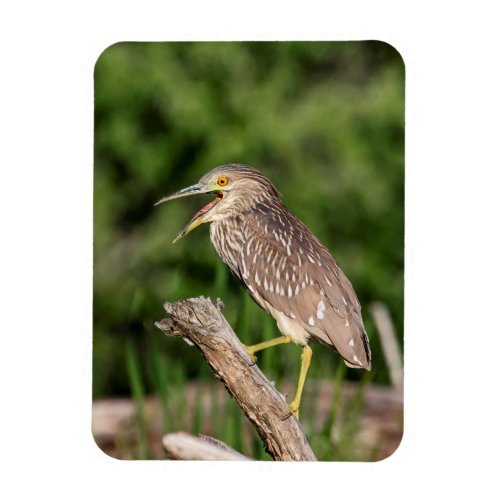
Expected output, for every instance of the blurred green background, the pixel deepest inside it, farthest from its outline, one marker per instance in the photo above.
(323, 120)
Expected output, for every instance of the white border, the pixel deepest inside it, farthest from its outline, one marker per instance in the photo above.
(451, 337)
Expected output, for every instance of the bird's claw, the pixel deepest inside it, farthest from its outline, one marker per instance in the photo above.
(293, 409)
(252, 356)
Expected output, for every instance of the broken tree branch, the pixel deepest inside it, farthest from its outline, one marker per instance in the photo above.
(389, 341)
(184, 446)
(202, 323)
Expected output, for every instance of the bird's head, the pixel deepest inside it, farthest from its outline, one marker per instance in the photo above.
(238, 188)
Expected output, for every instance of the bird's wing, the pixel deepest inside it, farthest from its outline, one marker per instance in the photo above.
(295, 274)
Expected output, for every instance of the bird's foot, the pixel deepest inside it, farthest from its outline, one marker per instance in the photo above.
(293, 409)
(250, 352)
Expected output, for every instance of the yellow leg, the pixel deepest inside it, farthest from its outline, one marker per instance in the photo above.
(252, 349)
(306, 361)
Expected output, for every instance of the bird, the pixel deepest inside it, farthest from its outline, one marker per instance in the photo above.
(286, 270)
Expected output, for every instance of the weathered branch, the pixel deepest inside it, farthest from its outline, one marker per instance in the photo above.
(184, 446)
(388, 339)
(202, 323)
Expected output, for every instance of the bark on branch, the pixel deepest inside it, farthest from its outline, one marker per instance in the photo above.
(184, 446)
(203, 324)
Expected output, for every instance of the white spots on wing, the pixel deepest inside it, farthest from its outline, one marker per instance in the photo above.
(277, 274)
(276, 235)
(347, 322)
(303, 285)
(266, 286)
(250, 288)
(320, 313)
(288, 250)
(311, 259)
(257, 280)
(271, 287)
(281, 289)
(293, 316)
(311, 321)
(300, 250)
(293, 277)
(321, 292)
(254, 260)
(355, 358)
(283, 264)
(351, 343)
(265, 228)
(249, 245)
(318, 256)
(269, 255)
(306, 279)
(245, 270)
(297, 289)
(343, 299)
(289, 291)
(300, 260)
(287, 277)
(328, 281)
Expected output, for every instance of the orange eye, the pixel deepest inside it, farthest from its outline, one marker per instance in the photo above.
(223, 181)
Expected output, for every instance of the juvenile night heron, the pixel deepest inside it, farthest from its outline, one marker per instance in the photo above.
(282, 265)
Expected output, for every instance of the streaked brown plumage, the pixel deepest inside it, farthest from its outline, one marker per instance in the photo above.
(284, 267)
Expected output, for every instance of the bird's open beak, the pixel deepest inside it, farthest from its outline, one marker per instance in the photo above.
(199, 218)
(196, 189)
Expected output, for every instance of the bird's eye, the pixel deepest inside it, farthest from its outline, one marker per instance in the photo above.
(223, 181)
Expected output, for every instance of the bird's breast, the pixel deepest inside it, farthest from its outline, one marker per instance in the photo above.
(227, 240)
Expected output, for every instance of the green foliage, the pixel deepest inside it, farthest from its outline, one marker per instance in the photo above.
(324, 121)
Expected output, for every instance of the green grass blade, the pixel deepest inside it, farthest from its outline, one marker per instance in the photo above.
(138, 395)
(159, 371)
(269, 356)
(179, 381)
(221, 278)
(244, 323)
(198, 409)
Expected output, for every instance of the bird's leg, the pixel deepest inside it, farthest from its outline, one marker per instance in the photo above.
(252, 349)
(304, 366)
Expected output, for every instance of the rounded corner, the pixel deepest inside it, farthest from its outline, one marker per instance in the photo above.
(103, 452)
(105, 51)
(393, 452)
(394, 49)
